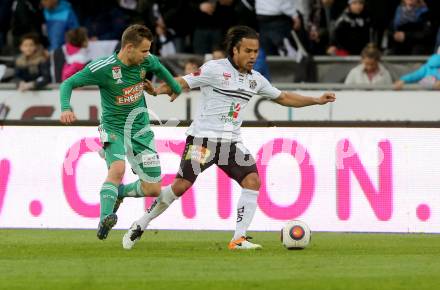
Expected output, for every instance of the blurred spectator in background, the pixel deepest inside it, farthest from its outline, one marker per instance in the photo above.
(305, 8)
(4, 110)
(167, 17)
(411, 29)
(211, 19)
(321, 23)
(103, 19)
(427, 76)
(130, 9)
(434, 11)
(244, 11)
(5, 19)
(164, 39)
(218, 53)
(370, 71)
(381, 12)
(261, 64)
(437, 42)
(191, 66)
(75, 53)
(276, 20)
(60, 18)
(26, 18)
(32, 68)
(352, 30)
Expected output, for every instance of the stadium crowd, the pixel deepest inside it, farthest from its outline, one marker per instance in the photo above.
(44, 33)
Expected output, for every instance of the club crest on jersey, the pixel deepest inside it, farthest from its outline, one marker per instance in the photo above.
(143, 73)
(226, 75)
(117, 74)
(252, 84)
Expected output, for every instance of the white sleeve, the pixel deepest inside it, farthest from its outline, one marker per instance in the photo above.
(204, 76)
(267, 90)
(350, 79)
(288, 8)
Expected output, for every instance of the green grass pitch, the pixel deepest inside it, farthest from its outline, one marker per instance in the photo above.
(76, 259)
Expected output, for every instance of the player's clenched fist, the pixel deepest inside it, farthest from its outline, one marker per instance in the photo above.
(67, 117)
(326, 98)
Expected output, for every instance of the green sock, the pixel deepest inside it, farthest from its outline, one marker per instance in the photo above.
(108, 194)
(132, 190)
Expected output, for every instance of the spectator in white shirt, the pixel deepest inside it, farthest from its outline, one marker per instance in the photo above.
(370, 71)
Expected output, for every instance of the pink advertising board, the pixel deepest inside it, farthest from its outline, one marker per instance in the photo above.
(334, 179)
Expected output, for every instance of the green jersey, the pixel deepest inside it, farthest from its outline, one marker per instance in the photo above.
(121, 89)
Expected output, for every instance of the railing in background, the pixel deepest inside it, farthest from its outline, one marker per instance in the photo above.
(351, 105)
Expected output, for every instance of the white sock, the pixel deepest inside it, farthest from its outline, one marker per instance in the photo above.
(247, 204)
(160, 204)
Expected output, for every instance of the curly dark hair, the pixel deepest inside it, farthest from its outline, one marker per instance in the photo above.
(236, 34)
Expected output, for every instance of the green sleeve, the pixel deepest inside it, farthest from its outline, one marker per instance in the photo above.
(162, 73)
(82, 78)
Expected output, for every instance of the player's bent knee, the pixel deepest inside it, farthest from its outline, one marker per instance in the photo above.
(251, 181)
(151, 189)
(180, 186)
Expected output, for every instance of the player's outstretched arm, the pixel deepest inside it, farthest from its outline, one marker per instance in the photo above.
(290, 99)
(165, 75)
(166, 89)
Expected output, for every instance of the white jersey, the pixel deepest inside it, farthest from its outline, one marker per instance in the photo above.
(276, 7)
(225, 92)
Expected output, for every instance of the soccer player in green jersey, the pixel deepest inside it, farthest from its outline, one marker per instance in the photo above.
(124, 128)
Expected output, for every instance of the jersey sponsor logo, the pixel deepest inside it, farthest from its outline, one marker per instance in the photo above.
(225, 83)
(252, 84)
(232, 117)
(150, 160)
(116, 72)
(197, 153)
(234, 110)
(131, 94)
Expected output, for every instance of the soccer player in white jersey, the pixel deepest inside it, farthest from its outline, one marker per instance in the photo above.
(226, 87)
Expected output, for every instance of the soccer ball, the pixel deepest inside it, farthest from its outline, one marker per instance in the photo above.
(295, 235)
